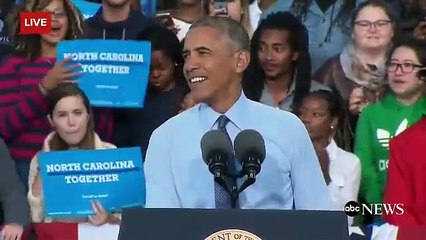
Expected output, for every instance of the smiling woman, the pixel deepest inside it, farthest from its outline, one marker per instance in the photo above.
(357, 74)
(401, 107)
(66, 24)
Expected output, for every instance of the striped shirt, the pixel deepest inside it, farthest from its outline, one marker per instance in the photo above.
(23, 109)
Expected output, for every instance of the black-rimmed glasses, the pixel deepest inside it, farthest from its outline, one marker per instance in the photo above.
(405, 67)
(377, 24)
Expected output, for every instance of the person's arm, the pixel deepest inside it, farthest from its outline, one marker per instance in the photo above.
(309, 188)
(397, 188)
(160, 185)
(35, 192)
(370, 188)
(12, 193)
(17, 117)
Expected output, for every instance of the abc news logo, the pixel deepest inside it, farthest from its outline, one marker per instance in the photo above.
(353, 209)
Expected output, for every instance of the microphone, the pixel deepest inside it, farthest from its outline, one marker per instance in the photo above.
(216, 151)
(250, 151)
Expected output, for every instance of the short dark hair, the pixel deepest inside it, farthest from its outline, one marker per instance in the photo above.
(417, 45)
(233, 29)
(164, 40)
(334, 105)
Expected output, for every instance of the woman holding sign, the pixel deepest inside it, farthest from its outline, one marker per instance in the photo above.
(27, 76)
(71, 119)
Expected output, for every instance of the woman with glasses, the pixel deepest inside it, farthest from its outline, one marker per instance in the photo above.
(27, 76)
(357, 73)
(402, 105)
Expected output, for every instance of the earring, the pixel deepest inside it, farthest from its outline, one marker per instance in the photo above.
(332, 127)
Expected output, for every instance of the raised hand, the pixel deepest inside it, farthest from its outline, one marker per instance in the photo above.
(59, 74)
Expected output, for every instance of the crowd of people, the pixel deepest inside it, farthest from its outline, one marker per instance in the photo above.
(335, 87)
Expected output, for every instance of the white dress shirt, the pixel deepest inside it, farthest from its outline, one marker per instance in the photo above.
(291, 178)
(345, 174)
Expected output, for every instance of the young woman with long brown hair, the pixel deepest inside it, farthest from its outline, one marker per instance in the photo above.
(71, 119)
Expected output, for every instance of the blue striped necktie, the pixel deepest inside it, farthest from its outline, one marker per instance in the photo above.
(222, 197)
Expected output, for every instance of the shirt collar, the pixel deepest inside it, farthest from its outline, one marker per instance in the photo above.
(336, 177)
(236, 113)
(332, 150)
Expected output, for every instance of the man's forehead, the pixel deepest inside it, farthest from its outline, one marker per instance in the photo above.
(196, 39)
(201, 37)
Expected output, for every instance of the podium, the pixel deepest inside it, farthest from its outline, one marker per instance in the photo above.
(218, 224)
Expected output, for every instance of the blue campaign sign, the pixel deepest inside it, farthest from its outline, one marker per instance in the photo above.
(148, 7)
(72, 179)
(88, 9)
(115, 72)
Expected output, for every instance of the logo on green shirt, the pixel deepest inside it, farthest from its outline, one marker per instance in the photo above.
(384, 136)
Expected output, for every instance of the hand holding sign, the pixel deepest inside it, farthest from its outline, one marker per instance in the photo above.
(101, 216)
(115, 74)
(59, 74)
(12, 231)
(114, 177)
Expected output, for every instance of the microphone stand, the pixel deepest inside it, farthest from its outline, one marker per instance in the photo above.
(234, 197)
(235, 191)
(249, 181)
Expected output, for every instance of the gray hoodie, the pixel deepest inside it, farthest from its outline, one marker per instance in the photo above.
(12, 192)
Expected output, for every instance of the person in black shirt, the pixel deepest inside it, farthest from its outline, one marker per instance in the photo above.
(166, 90)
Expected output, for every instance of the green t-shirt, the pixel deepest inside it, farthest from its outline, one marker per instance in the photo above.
(377, 124)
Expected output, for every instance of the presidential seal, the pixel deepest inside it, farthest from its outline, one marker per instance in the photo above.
(233, 234)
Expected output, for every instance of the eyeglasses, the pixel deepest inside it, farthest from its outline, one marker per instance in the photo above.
(365, 24)
(56, 14)
(405, 67)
